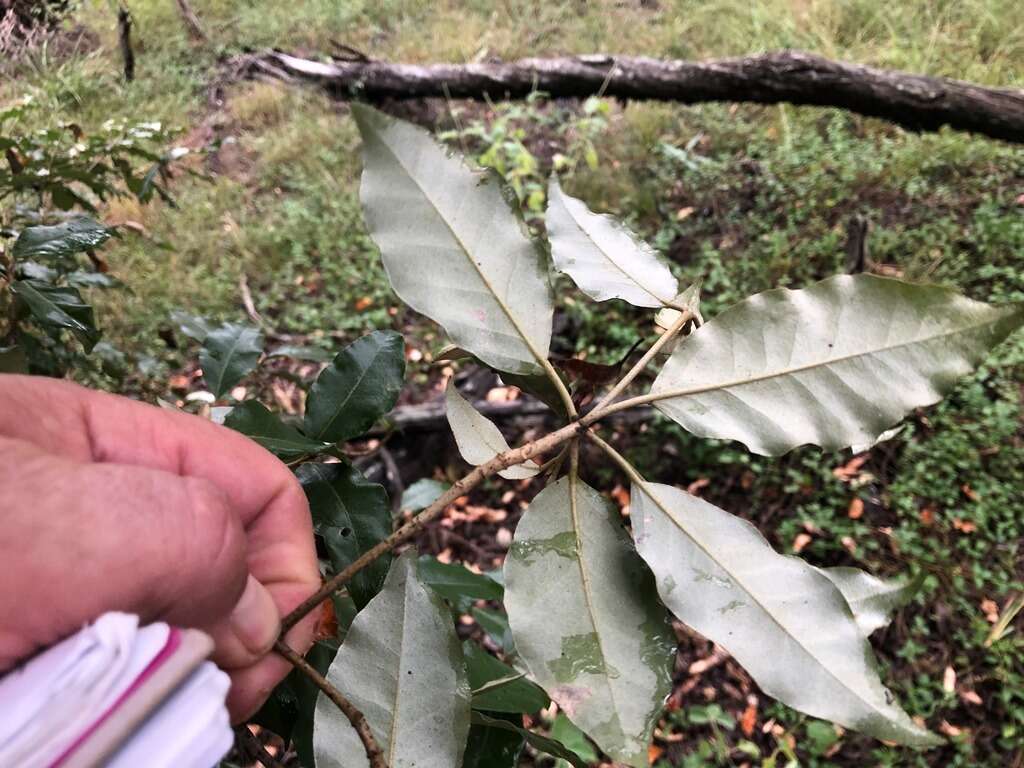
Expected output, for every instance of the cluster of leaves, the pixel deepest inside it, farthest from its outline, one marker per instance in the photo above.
(505, 143)
(588, 602)
(48, 175)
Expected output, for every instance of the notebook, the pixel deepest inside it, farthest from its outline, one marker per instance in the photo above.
(117, 695)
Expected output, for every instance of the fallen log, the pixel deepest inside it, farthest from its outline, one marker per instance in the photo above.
(915, 102)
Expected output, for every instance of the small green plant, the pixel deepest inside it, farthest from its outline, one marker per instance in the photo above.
(837, 365)
(504, 143)
(54, 255)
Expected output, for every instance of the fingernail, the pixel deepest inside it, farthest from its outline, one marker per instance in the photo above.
(255, 619)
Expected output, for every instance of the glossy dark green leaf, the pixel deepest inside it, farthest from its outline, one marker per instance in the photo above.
(351, 514)
(60, 240)
(573, 739)
(539, 386)
(495, 624)
(401, 665)
(59, 307)
(360, 385)
(229, 352)
(458, 584)
(543, 744)
(422, 494)
(493, 747)
(82, 279)
(253, 420)
(497, 687)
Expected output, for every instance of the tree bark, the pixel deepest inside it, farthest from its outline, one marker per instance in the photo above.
(915, 102)
(124, 35)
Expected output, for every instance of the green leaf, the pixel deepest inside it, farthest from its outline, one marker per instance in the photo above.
(835, 364)
(541, 743)
(586, 619)
(457, 253)
(457, 584)
(229, 352)
(401, 665)
(61, 240)
(872, 599)
(497, 687)
(59, 307)
(495, 624)
(300, 352)
(493, 747)
(782, 619)
(357, 388)
(422, 494)
(193, 326)
(351, 514)
(83, 279)
(540, 386)
(573, 739)
(253, 420)
(604, 259)
(478, 438)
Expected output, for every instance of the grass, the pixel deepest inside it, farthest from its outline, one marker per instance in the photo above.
(745, 198)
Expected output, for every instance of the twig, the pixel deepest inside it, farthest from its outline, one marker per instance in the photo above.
(195, 29)
(248, 743)
(665, 338)
(247, 302)
(358, 720)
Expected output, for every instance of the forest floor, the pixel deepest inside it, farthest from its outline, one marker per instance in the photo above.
(743, 197)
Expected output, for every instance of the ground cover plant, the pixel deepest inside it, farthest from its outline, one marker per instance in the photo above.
(747, 198)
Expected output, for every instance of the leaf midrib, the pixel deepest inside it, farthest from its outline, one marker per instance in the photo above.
(341, 406)
(753, 596)
(671, 393)
(607, 254)
(587, 597)
(227, 359)
(465, 252)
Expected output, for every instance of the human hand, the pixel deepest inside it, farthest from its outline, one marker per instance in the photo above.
(110, 504)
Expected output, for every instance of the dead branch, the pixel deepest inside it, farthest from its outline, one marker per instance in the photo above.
(915, 102)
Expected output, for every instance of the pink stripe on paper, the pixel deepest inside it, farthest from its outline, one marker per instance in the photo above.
(173, 641)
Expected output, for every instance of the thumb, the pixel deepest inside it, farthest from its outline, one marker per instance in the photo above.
(86, 538)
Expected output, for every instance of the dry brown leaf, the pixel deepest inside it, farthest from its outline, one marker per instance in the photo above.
(971, 697)
(856, 509)
(927, 515)
(950, 730)
(363, 303)
(991, 610)
(698, 485)
(851, 469)
(969, 492)
(654, 753)
(800, 542)
(326, 622)
(964, 526)
(748, 720)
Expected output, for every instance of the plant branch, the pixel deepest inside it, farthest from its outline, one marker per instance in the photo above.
(502, 461)
(916, 102)
(563, 392)
(669, 334)
(616, 457)
(358, 720)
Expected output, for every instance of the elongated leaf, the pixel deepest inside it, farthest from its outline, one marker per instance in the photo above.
(452, 247)
(782, 619)
(573, 739)
(542, 743)
(401, 665)
(57, 307)
(496, 625)
(360, 386)
(299, 352)
(351, 514)
(835, 364)
(603, 258)
(253, 420)
(497, 687)
(457, 584)
(61, 240)
(229, 352)
(422, 494)
(193, 326)
(477, 437)
(872, 599)
(494, 747)
(585, 618)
